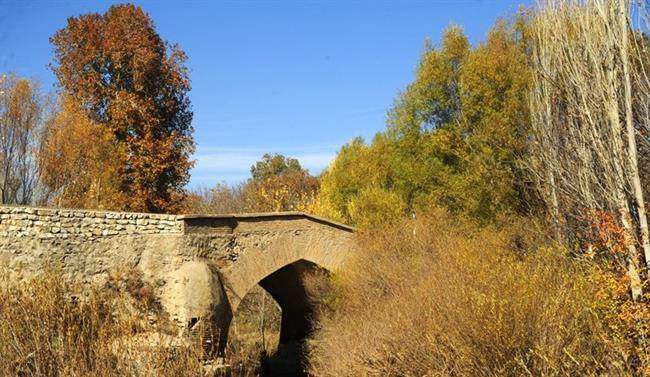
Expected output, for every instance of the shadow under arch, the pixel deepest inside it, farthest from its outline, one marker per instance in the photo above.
(287, 286)
(269, 250)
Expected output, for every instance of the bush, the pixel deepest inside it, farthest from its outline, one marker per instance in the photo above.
(437, 297)
(46, 330)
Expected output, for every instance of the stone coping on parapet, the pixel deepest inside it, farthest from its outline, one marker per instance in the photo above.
(267, 215)
(98, 213)
(59, 223)
(15, 209)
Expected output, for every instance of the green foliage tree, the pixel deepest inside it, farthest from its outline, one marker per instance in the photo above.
(273, 165)
(454, 138)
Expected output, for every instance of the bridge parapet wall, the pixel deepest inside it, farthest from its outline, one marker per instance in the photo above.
(50, 223)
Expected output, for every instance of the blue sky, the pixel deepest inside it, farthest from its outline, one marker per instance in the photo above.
(295, 77)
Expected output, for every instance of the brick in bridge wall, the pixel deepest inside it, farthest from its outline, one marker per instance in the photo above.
(49, 223)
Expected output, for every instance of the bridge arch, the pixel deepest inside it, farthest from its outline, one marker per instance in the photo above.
(201, 266)
(325, 248)
(288, 288)
(274, 251)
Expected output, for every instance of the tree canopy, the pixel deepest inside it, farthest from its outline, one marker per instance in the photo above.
(277, 184)
(21, 110)
(453, 139)
(127, 79)
(273, 165)
(77, 161)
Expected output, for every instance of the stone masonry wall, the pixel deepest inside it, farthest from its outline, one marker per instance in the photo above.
(48, 223)
(198, 266)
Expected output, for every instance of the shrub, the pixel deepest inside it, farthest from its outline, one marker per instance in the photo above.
(439, 297)
(48, 331)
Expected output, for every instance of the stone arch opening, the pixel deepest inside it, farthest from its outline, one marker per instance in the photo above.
(288, 286)
(255, 327)
(201, 266)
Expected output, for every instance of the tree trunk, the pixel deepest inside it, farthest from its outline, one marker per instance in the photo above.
(632, 257)
(644, 240)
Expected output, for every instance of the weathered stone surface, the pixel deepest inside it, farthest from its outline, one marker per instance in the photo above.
(201, 266)
(195, 291)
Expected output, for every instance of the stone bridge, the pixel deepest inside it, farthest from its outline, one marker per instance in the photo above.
(200, 266)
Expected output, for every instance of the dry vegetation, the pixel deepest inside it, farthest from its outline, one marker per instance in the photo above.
(590, 119)
(254, 332)
(432, 297)
(51, 327)
(118, 330)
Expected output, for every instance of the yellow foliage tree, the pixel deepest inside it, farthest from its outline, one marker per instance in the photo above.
(21, 106)
(277, 184)
(455, 136)
(78, 161)
(290, 191)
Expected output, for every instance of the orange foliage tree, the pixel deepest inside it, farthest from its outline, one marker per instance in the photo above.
(117, 68)
(77, 161)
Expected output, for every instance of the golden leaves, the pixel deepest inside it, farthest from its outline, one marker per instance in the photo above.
(79, 161)
(128, 80)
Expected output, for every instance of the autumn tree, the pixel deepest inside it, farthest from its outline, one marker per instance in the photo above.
(590, 112)
(277, 183)
(274, 165)
(78, 161)
(289, 191)
(454, 138)
(130, 81)
(21, 109)
(220, 198)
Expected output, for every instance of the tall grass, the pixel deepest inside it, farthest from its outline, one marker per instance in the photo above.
(434, 297)
(115, 330)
